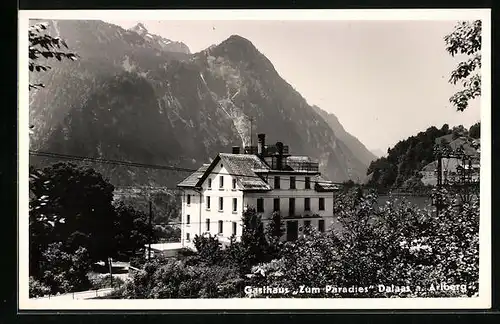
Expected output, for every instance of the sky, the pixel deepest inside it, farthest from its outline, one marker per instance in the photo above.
(384, 80)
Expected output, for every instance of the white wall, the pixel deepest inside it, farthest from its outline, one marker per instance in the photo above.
(193, 210)
(227, 193)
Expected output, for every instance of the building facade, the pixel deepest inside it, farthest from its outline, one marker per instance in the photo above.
(266, 178)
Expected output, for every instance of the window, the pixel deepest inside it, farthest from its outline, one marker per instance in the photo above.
(276, 182)
(188, 219)
(188, 199)
(221, 226)
(234, 228)
(292, 182)
(291, 206)
(307, 224)
(208, 225)
(260, 205)
(221, 182)
(208, 202)
(276, 204)
(307, 204)
(209, 183)
(321, 203)
(187, 237)
(221, 203)
(321, 225)
(235, 204)
(234, 183)
(308, 183)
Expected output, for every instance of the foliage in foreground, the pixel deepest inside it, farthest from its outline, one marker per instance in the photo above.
(171, 278)
(393, 250)
(379, 251)
(466, 40)
(73, 224)
(44, 46)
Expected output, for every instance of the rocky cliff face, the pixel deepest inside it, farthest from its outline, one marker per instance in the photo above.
(130, 98)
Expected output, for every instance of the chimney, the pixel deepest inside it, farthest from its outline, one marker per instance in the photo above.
(279, 161)
(236, 150)
(261, 144)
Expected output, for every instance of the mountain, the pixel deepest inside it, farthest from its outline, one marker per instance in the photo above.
(130, 98)
(160, 42)
(357, 148)
(378, 153)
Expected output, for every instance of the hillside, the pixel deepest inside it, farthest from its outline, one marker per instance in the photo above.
(408, 157)
(358, 149)
(132, 98)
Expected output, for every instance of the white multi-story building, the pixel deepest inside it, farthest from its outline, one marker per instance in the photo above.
(266, 178)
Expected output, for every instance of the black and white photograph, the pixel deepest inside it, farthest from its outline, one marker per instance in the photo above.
(254, 159)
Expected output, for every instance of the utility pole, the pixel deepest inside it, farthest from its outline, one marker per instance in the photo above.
(439, 170)
(110, 262)
(150, 227)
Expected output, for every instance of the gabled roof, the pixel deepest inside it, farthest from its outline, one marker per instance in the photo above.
(242, 166)
(192, 180)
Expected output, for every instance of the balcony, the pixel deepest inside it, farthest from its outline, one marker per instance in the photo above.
(303, 166)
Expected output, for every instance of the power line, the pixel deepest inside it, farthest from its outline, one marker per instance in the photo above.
(108, 161)
(169, 168)
(148, 166)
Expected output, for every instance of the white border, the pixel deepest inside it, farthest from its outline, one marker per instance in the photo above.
(481, 302)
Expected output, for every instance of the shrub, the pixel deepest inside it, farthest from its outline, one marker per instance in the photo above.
(37, 288)
(104, 281)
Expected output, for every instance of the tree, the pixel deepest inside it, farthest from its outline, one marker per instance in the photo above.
(466, 40)
(63, 270)
(131, 230)
(253, 239)
(475, 130)
(459, 131)
(46, 46)
(72, 205)
(275, 230)
(209, 249)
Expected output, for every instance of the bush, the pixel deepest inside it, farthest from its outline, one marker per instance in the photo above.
(104, 281)
(138, 261)
(37, 288)
(175, 279)
(63, 271)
